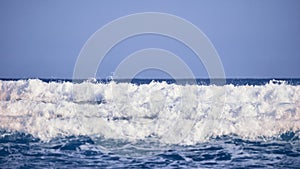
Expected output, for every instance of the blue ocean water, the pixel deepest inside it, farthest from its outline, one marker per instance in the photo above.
(247, 123)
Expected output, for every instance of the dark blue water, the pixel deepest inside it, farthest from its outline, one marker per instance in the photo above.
(246, 81)
(22, 150)
(19, 150)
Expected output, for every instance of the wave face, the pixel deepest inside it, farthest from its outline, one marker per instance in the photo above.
(167, 113)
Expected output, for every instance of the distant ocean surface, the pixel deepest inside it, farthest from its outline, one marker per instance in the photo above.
(60, 123)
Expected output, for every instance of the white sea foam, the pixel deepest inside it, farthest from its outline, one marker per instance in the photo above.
(168, 112)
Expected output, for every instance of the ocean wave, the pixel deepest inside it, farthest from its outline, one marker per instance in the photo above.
(169, 113)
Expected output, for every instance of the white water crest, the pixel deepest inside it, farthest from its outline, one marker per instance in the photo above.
(169, 113)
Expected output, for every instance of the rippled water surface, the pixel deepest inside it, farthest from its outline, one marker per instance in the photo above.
(21, 150)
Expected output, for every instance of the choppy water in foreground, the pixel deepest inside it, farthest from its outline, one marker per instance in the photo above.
(144, 124)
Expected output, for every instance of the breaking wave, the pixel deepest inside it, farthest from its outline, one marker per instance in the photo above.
(167, 113)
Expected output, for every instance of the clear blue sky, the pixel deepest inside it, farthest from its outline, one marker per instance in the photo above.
(254, 38)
